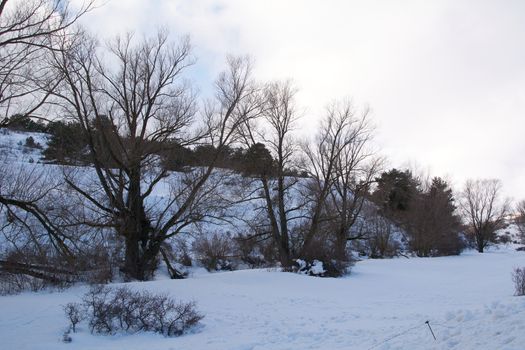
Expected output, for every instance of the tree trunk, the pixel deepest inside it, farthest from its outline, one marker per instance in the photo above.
(141, 250)
(340, 246)
(132, 263)
(481, 243)
(284, 253)
(283, 220)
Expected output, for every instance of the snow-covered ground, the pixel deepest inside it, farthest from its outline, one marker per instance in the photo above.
(468, 300)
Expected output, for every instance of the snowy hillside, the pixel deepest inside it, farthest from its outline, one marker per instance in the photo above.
(467, 299)
(13, 146)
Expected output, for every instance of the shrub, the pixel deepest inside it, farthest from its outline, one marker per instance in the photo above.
(504, 238)
(314, 268)
(381, 239)
(96, 264)
(250, 250)
(31, 143)
(318, 268)
(181, 252)
(518, 277)
(112, 310)
(14, 283)
(215, 252)
(322, 252)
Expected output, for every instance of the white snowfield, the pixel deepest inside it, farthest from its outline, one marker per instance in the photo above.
(382, 304)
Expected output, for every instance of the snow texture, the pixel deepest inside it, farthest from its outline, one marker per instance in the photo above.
(383, 304)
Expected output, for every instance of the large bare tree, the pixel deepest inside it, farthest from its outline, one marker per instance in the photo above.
(484, 210)
(132, 105)
(274, 170)
(342, 166)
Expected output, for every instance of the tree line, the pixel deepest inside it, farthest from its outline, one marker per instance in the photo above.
(131, 126)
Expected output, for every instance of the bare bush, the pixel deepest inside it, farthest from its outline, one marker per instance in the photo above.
(322, 252)
(252, 248)
(518, 277)
(215, 252)
(12, 283)
(74, 314)
(112, 310)
(380, 242)
(96, 264)
(181, 252)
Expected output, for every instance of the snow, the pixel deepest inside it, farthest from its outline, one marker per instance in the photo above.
(383, 304)
(315, 269)
(13, 149)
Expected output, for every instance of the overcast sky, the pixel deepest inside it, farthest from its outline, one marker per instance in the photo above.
(445, 79)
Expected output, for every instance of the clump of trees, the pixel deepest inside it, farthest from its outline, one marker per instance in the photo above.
(313, 194)
(426, 210)
(25, 123)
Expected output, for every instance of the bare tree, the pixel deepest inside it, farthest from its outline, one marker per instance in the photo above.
(355, 170)
(342, 166)
(484, 210)
(130, 109)
(274, 170)
(29, 30)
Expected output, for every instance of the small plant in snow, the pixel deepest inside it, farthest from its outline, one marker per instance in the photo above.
(66, 338)
(74, 314)
(518, 277)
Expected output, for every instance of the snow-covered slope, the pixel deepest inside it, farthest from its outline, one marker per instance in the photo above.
(13, 146)
(467, 299)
